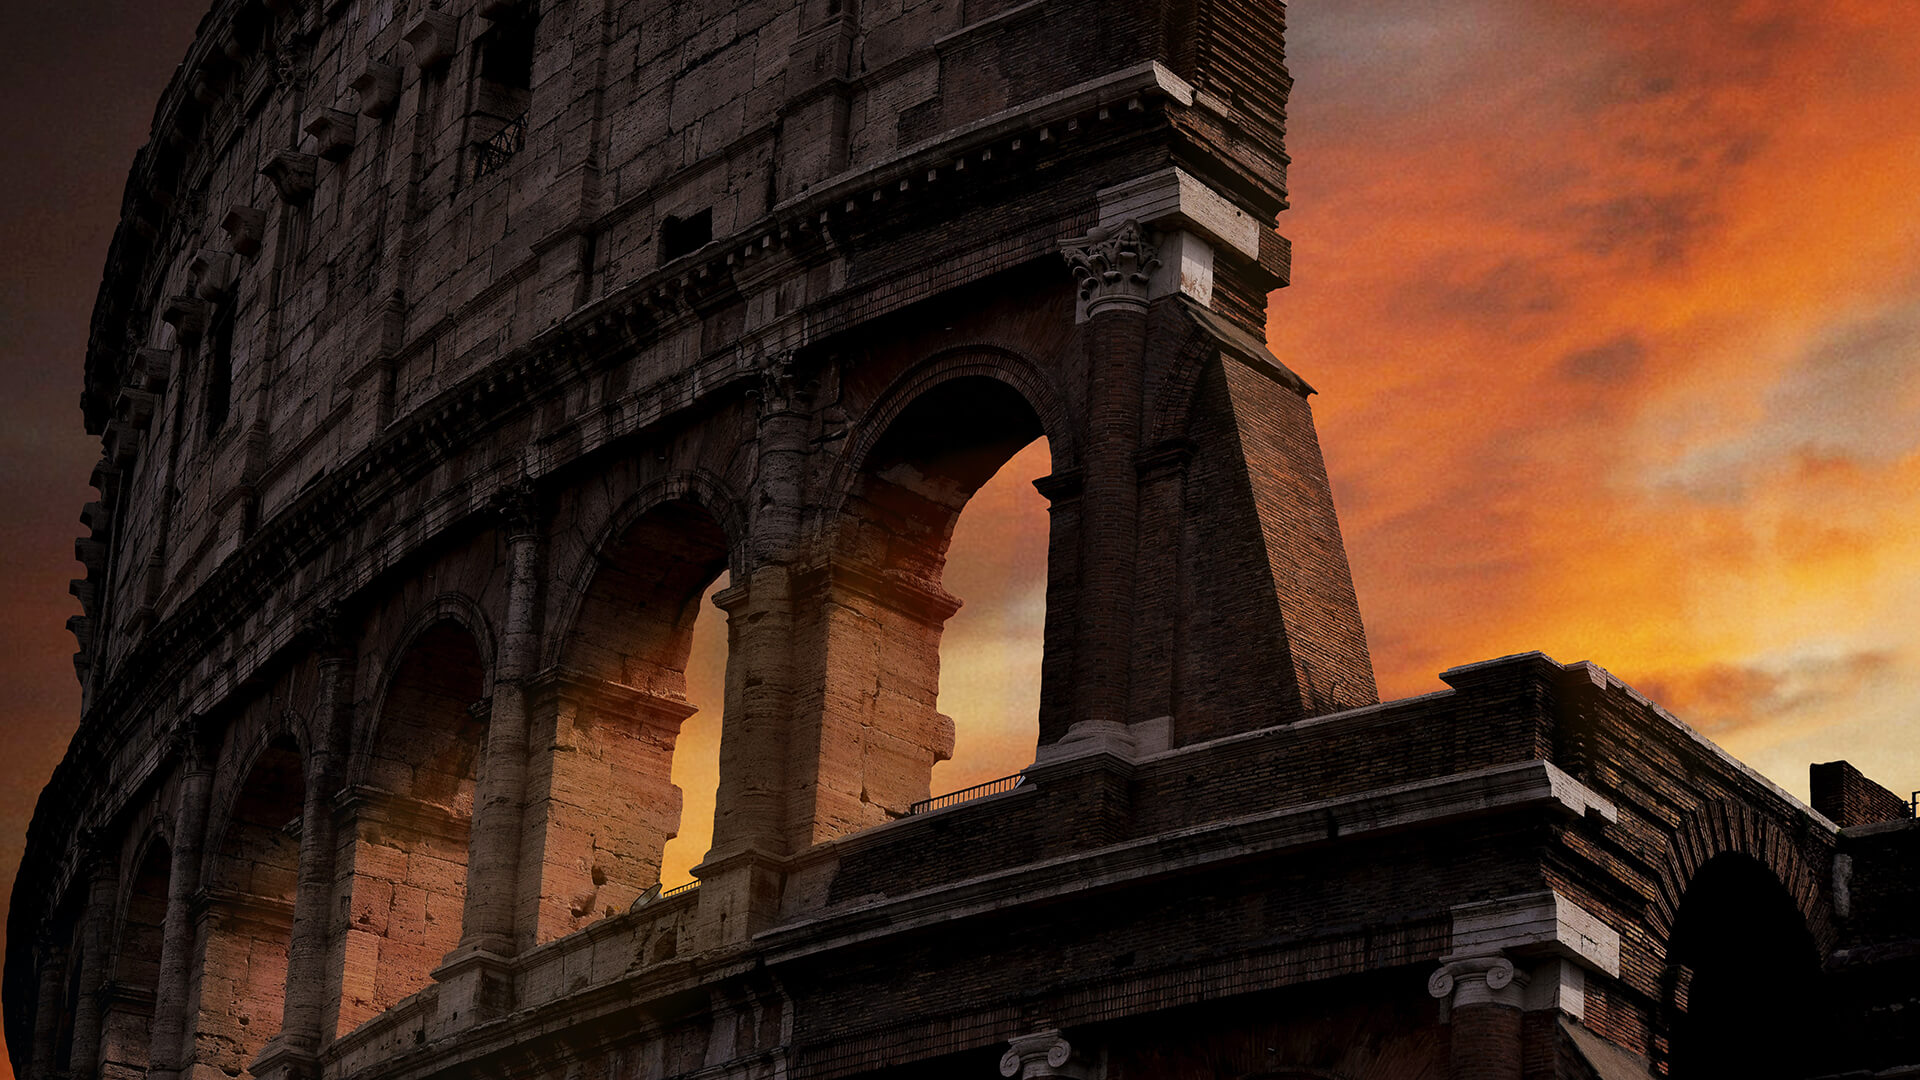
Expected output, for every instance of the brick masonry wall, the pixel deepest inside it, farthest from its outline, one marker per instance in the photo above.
(1847, 797)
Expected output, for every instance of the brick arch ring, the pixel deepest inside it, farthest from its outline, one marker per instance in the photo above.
(997, 362)
(697, 486)
(448, 607)
(1722, 828)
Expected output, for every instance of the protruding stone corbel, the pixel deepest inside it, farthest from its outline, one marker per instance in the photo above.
(1113, 267)
(245, 226)
(334, 132)
(378, 87)
(1043, 1054)
(292, 174)
(1479, 980)
(187, 315)
(213, 274)
(81, 627)
(204, 84)
(153, 368)
(135, 406)
(433, 37)
(122, 443)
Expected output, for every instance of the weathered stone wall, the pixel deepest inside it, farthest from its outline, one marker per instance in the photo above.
(449, 352)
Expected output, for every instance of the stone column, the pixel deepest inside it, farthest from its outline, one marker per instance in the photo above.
(475, 982)
(51, 949)
(1113, 267)
(294, 1052)
(169, 1050)
(96, 940)
(1483, 999)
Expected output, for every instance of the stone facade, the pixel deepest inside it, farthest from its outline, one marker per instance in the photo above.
(448, 352)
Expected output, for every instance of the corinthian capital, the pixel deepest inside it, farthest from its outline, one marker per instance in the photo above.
(1112, 265)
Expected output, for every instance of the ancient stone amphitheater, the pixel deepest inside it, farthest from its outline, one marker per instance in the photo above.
(448, 351)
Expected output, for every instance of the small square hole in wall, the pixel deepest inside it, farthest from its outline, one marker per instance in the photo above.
(680, 235)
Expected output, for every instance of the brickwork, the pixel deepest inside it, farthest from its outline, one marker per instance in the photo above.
(426, 428)
(1847, 797)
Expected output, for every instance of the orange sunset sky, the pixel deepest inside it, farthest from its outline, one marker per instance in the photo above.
(1614, 311)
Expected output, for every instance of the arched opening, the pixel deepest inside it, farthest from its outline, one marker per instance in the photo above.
(126, 1031)
(248, 918)
(412, 816)
(883, 730)
(1741, 977)
(604, 801)
(696, 753)
(990, 650)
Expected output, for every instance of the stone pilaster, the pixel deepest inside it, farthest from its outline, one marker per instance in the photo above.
(96, 937)
(1113, 267)
(475, 984)
(293, 1054)
(170, 1052)
(51, 953)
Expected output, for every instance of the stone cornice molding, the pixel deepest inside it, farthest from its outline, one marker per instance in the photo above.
(1113, 267)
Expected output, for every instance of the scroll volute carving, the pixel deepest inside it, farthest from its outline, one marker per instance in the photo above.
(245, 226)
(378, 87)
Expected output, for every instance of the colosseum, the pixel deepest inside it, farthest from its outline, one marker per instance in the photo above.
(450, 350)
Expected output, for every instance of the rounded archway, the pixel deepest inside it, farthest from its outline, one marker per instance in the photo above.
(412, 816)
(884, 728)
(248, 915)
(1741, 985)
(616, 701)
(126, 1030)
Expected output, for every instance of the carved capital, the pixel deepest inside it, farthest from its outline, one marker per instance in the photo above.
(1478, 980)
(328, 633)
(1041, 1054)
(518, 507)
(1113, 267)
(192, 743)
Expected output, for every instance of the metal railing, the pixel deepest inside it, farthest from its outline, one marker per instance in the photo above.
(991, 787)
(678, 889)
(492, 156)
(1913, 804)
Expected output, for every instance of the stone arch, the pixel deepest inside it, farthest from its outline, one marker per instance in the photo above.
(446, 609)
(127, 1012)
(928, 444)
(605, 716)
(246, 922)
(1030, 380)
(696, 486)
(410, 811)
